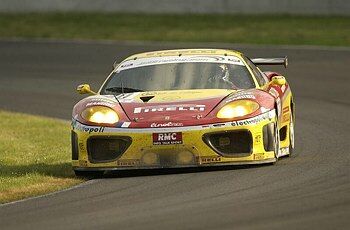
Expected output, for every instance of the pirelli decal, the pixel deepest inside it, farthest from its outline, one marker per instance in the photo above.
(213, 159)
(286, 114)
(128, 162)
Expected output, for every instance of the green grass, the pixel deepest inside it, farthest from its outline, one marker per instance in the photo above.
(34, 156)
(277, 29)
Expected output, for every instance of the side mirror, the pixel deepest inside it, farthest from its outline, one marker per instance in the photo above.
(84, 89)
(278, 80)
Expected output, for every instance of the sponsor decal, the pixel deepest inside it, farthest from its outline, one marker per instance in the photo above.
(286, 109)
(210, 159)
(168, 108)
(258, 157)
(128, 162)
(253, 120)
(125, 124)
(285, 117)
(250, 121)
(167, 138)
(87, 129)
(173, 52)
(179, 59)
(168, 124)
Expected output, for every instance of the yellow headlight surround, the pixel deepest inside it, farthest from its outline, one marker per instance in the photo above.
(100, 114)
(238, 108)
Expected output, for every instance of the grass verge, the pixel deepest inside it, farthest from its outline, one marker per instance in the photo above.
(263, 29)
(34, 156)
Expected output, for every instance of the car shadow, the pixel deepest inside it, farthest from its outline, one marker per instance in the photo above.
(169, 171)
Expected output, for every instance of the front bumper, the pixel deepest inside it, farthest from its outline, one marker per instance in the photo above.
(138, 148)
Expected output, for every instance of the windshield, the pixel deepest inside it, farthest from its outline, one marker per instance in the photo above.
(179, 76)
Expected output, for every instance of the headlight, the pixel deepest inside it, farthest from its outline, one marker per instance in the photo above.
(100, 114)
(238, 109)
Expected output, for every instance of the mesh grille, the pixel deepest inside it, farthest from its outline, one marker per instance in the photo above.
(230, 143)
(106, 149)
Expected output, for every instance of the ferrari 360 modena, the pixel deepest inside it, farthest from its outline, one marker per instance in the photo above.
(183, 108)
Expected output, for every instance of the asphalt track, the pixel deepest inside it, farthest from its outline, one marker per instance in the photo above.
(310, 190)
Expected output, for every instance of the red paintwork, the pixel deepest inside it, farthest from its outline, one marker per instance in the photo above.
(176, 118)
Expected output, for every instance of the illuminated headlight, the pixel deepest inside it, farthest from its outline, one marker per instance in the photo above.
(238, 109)
(100, 114)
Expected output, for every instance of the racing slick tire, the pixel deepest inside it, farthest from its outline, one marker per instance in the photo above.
(291, 135)
(89, 174)
(276, 142)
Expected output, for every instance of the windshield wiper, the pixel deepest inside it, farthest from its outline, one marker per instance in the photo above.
(123, 90)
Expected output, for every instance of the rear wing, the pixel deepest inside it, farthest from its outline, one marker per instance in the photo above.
(271, 61)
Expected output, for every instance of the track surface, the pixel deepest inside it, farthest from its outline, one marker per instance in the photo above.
(310, 190)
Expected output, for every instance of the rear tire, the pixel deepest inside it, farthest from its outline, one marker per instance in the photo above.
(89, 174)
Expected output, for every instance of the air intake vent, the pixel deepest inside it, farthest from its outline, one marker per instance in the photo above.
(107, 149)
(146, 98)
(230, 143)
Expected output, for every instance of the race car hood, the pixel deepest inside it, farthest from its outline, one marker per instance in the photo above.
(174, 105)
(161, 109)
